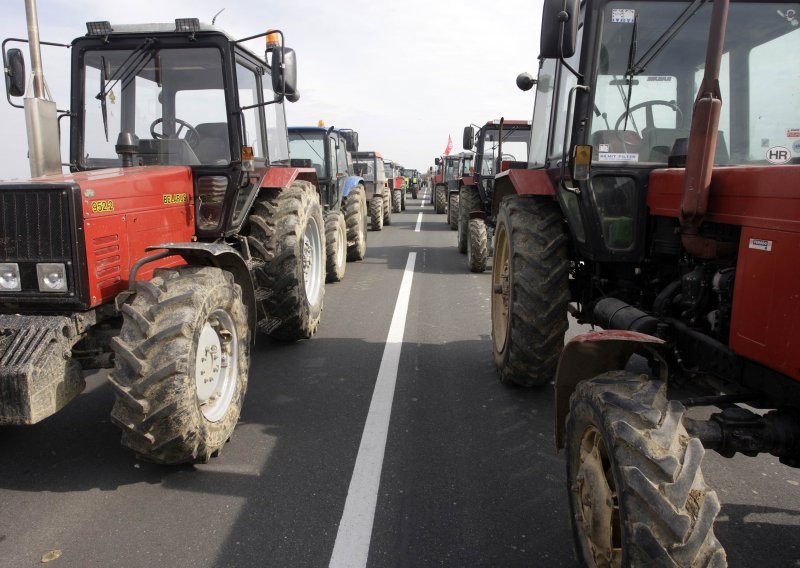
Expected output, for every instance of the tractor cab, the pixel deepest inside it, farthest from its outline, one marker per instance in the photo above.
(499, 145)
(186, 94)
(328, 152)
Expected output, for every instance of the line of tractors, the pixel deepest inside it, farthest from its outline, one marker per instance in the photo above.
(655, 195)
(191, 219)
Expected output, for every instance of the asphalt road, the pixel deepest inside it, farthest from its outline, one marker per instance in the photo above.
(469, 475)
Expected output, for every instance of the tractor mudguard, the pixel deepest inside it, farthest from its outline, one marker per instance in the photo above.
(38, 375)
(349, 183)
(283, 177)
(521, 182)
(595, 353)
(221, 256)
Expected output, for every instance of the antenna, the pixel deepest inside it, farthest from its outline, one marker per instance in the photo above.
(214, 19)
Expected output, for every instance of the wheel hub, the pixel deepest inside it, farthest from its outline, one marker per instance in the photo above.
(597, 502)
(216, 367)
(313, 264)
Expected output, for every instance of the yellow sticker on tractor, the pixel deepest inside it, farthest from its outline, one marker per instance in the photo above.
(103, 206)
(170, 198)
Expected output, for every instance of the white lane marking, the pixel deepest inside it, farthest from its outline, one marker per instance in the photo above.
(355, 529)
(419, 222)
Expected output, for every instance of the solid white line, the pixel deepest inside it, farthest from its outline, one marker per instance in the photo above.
(355, 529)
(419, 222)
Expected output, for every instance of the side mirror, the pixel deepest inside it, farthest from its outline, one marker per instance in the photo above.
(438, 161)
(558, 16)
(525, 81)
(284, 76)
(15, 73)
(469, 137)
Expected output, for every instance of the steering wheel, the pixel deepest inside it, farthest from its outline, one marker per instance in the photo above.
(649, 112)
(192, 137)
(504, 156)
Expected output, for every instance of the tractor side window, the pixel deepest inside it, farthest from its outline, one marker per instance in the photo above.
(277, 142)
(774, 113)
(542, 111)
(341, 158)
(251, 119)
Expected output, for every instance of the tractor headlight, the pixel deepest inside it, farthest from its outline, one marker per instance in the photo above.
(9, 276)
(52, 277)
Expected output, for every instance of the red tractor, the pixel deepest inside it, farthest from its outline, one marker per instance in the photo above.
(661, 203)
(180, 231)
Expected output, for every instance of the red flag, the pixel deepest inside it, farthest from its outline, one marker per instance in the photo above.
(449, 146)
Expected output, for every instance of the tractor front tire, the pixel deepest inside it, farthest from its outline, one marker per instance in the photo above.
(440, 199)
(397, 200)
(452, 211)
(335, 246)
(355, 218)
(477, 249)
(529, 290)
(182, 358)
(469, 200)
(287, 233)
(376, 213)
(636, 491)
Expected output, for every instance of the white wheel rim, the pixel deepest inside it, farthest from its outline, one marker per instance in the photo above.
(312, 261)
(216, 365)
(341, 245)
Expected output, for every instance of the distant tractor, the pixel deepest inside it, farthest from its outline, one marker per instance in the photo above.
(396, 195)
(412, 181)
(180, 231)
(344, 202)
(499, 146)
(449, 166)
(662, 204)
(370, 167)
(462, 171)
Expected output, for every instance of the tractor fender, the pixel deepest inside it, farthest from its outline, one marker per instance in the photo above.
(590, 354)
(280, 177)
(349, 183)
(521, 182)
(221, 256)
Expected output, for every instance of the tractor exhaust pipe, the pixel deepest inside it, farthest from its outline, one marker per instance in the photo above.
(41, 115)
(703, 142)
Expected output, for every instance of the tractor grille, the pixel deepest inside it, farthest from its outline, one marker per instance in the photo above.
(40, 222)
(35, 225)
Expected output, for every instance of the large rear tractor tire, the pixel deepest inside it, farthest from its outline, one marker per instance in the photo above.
(637, 493)
(387, 207)
(397, 200)
(335, 246)
(403, 199)
(355, 206)
(477, 249)
(529, 290)
(452, 211)
(469, 201)
(440, 199)
(182, 358)
(287, 233)
(376, 213)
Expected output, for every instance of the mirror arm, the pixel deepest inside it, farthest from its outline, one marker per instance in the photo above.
(563, 18)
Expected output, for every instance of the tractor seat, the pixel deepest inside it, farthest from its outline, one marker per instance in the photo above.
(213, 147)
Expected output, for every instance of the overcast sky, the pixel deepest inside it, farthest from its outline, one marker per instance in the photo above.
(405, 74)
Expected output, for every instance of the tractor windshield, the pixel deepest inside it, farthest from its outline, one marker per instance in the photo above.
(657, 78)
(451, 168)
(364, 167)
(168, 103)
(310, 146)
